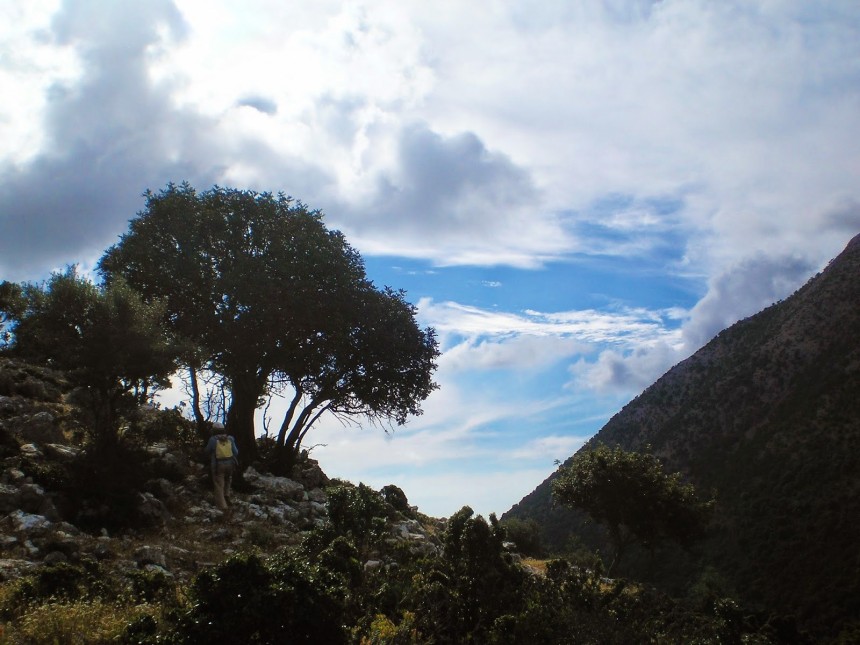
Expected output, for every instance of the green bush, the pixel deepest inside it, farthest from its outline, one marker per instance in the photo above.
(152, 586)
(280, 600)
(358, 512)
(525, 534)
(459, 596)
(397, 498)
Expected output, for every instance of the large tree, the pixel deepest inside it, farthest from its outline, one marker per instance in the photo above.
(631, 494)
(112, 345)
(259, 291)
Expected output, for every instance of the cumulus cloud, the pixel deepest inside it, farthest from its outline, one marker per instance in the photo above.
(715, 140)
(453, 193)
(627, 372)
(109, 134)
(742, 290)
(111, 131)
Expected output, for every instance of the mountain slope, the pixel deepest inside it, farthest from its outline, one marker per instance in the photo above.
(768, 415)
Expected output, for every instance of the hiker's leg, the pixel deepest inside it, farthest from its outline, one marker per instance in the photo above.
(228, 482)
(218, 481)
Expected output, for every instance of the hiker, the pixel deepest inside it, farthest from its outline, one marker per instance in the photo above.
(224, 458)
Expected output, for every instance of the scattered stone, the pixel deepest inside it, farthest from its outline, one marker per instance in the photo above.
(41, 428)
(29, 523)
(61, 452)
(31, 450)
(151, 510)
(150, 555)
(55, 557)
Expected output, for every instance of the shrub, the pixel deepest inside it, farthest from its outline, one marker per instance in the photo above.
(152, 586)
(525, 534)
(385, 632)
(105, 487)
(397, 498)
(358, 512)
(474, 583)
(282, 599)
(61, 581)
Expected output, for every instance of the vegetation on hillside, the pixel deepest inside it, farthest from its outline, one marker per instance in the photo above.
(322, 590)
(633, 497)
(768, 415)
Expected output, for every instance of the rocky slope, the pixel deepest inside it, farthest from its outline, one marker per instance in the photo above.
(178, 530)
(768, 416)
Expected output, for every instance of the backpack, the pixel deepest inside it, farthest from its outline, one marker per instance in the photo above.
(224, 448)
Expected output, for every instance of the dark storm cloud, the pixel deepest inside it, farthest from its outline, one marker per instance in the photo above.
(110, 135)
(453, 184)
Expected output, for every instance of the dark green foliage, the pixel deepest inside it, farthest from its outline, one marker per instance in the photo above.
(151, 425)
(58, 581)
(12, 305)
(358, 512)
(459, 597)
(109, 343)
(633, 497)
(151, 586)
(397, 498)
(105, 493)
(141, 631)
(259, 291)
(85, 580)
(525, 534)
(251, 600)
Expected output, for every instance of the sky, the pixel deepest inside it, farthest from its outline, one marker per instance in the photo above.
(575, 194)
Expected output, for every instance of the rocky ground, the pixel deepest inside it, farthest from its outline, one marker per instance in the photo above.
(180, 531)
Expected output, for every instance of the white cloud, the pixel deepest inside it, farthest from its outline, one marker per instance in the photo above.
(629, 326)
(421, 140)
(527, 352)
(716, 139)
(550, 448)
(625, 372)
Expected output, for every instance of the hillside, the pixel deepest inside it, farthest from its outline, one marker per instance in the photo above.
(132, 550)
(767, 414)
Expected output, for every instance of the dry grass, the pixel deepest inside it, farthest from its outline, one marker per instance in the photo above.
(535, 566)
(73, 623)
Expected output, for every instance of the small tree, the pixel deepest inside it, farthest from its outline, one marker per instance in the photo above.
(109, 342)
(633, 497)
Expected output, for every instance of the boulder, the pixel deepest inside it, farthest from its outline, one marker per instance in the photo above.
(151, 511)
(150, 555)
(41, 428)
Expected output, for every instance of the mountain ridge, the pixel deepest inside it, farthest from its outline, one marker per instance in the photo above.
(767, 414)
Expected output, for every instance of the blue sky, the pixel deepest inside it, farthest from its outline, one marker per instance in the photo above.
(575, 194)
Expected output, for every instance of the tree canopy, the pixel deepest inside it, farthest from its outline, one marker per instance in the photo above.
(632, 496)
(259, 291)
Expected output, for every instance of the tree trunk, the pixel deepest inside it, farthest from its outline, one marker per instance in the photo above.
(200, 420)
(244, 393)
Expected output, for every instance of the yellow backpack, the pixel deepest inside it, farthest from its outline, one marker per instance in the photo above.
(224, 449)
